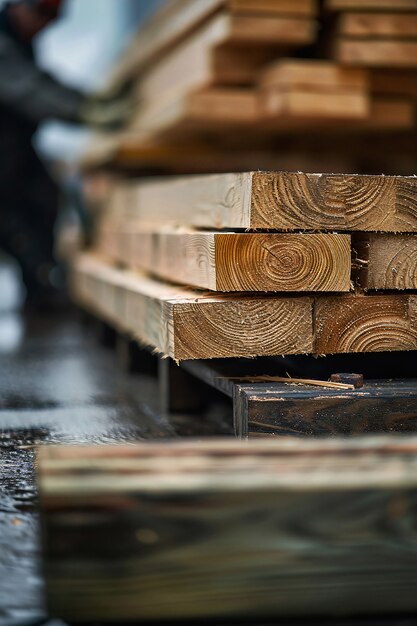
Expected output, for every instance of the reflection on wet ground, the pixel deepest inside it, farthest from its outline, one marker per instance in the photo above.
(59, 386)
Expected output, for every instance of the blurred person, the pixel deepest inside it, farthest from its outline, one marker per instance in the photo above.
(29, 197)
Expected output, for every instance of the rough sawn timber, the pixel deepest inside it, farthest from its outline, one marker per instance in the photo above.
(365, 323)
(223, 529)
(276, 200)
(385, 261)
(186, 324)
(234, 261)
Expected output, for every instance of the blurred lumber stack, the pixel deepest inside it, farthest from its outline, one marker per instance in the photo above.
(265, 291)
(232, 85)
(370, 34)
(380, 36)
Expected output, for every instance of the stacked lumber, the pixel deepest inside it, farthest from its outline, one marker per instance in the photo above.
(208, 75)
(213, 77)
(289, 264)
(220, 529)
(376, 34)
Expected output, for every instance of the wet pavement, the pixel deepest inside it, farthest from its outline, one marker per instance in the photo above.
(57, 385)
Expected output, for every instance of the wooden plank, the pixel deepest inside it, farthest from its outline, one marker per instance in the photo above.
(223, 530)
(272, 30)
(306, 8)
(235, 261)
(314, 75)
(361, 323)
(215, 106)
(185, 324)
(271, 409)
(385, 261)
(377, 53)
(378, 25)
(371, 5)
(316, 106)
(221, 112)
(277, 200)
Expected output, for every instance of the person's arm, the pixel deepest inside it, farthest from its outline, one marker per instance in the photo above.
(32, 93)
(37, 96)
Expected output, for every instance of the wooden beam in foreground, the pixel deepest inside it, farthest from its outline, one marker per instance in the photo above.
(186, 324)
(222, 529)
(234, 261)
(362, 323)
(385, 261)
(276, 200)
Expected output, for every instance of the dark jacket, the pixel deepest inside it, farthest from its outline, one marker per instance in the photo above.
(28, 96)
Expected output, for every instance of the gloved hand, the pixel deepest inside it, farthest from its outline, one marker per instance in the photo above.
(109, 111)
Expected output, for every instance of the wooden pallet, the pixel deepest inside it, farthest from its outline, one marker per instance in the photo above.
(268, 408)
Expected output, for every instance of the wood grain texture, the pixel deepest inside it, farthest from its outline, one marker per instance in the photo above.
(385, 261)
(185, 324)
(291, 200)
(230, 530)
(235, 261)
(377, 53)
(361, 323)
(378, 25)
(277, 200)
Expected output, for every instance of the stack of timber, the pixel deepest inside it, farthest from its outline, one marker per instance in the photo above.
(233, 85)
(221, 529)
(376, 34)
(289, 264)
